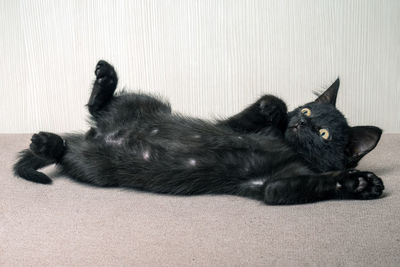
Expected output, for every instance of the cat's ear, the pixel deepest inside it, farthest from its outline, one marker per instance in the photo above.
(330, 94)
(362, 140)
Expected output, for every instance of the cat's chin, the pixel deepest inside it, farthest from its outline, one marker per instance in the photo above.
(292, 132)
(292, 135)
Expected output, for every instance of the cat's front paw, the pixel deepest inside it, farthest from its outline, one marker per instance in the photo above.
(360, 185)
(273, 109)
(105, 73)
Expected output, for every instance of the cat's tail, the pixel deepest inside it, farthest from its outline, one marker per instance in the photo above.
(28, 164)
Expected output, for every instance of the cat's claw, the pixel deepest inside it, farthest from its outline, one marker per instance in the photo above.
(361, 185)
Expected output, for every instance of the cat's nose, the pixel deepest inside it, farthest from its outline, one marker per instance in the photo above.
(302, 121)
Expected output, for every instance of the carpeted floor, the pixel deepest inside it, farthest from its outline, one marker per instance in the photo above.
(70, 224)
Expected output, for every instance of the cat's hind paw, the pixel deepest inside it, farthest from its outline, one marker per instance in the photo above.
(47, 145)
(105, 73)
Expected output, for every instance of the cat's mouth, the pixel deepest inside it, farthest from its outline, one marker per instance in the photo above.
(295, 130)
(296, 127)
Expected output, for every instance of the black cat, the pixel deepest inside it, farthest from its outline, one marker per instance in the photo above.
(263, 152)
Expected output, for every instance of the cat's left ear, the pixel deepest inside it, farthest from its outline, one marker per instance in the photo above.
(330, 94)
(362, 140)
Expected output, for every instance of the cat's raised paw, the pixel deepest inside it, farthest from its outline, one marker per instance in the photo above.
(361, 185)
(105, 72)
(273, 109)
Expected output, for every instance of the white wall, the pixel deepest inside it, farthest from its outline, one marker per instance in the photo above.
(208, 57)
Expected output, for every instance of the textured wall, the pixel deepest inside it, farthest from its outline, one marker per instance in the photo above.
(208, 57)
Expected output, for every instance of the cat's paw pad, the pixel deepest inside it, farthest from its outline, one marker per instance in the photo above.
(362, 185)
(47, 145)
(105, 73)
(272, 108)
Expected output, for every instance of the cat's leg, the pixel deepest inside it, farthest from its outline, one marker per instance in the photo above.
(350, 184)
(266, 113)
(103, 87)
(48, 146)
(123, 106)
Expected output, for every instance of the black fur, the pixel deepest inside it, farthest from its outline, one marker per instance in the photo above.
(263, 152)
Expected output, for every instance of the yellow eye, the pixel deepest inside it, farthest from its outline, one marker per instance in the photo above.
(324, 133)
(306, 111)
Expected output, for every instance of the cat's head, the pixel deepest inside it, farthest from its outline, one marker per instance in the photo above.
(320, 133)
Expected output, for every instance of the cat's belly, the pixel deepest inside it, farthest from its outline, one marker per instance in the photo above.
(237, 154)
(152, 158)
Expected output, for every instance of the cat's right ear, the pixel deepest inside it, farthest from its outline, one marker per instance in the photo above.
(330, 94)
(362, 140)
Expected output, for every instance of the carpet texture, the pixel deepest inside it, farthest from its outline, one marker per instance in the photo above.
(70, 224)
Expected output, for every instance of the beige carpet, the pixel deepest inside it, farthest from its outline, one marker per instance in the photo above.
(70, 224)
